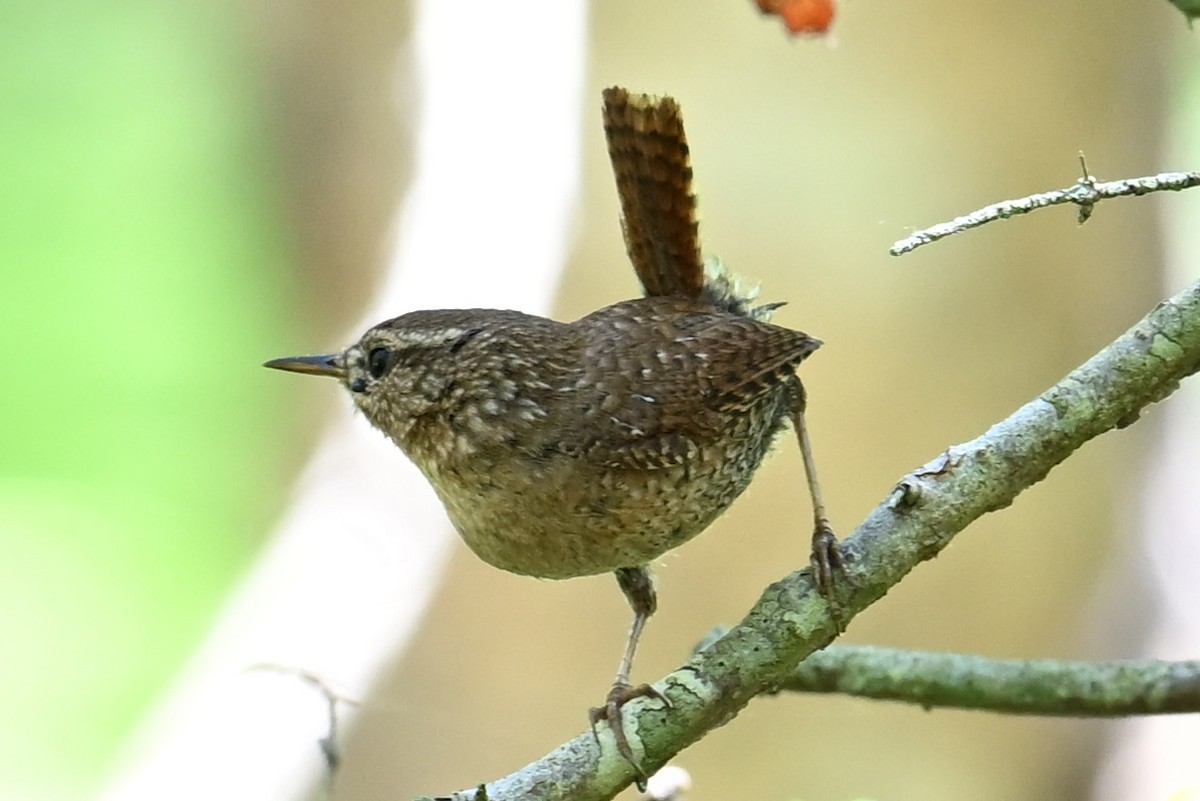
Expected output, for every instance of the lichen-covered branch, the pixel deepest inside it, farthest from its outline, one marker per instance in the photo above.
(1085, 193)
(1021, 687)
(914, 523)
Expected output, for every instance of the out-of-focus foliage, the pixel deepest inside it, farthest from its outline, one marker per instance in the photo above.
(139, 245)
(1190, 8)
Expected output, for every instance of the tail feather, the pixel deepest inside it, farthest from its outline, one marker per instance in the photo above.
(649, 153)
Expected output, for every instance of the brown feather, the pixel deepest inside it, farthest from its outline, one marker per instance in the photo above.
(649, 154)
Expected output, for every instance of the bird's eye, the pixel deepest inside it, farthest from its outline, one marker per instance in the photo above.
(378, 362)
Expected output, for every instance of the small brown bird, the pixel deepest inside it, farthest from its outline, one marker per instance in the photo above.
(572, 449)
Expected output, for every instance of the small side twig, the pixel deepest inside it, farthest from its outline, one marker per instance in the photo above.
(1085, 193)
(328, 744)
(1033, 687)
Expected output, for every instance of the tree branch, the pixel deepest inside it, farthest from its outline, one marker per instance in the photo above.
(1033, 687)
(914, 523)
(1085, 193)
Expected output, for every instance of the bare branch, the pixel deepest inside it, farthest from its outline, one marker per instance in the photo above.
(1085, 193)
(330, 749)
(1033, 687)
(914, 523)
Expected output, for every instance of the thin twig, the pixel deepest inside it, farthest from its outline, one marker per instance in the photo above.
(1033, 687)
(328, 744)
(1085, 193)
(919, 518)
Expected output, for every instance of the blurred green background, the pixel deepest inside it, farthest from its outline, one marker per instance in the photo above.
(187, 185)
(144, 254)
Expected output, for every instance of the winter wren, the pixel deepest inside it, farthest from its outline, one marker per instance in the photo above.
(572, 449)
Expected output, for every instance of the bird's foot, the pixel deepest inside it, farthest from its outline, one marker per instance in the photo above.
(828, 567)
(620, 694)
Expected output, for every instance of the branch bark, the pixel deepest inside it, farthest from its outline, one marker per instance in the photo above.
(921, 515)
(1085, 193)
(1019, 687)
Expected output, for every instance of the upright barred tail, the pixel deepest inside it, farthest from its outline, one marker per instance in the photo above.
(649, 154)
(651, 163)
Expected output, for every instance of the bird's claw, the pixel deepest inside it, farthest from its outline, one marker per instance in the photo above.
(621, 694)
(828, 565)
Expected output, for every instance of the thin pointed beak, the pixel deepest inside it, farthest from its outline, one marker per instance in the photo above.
(329, 364)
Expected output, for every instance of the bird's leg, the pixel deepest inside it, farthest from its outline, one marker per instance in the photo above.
(638, 587)
(826, 557)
